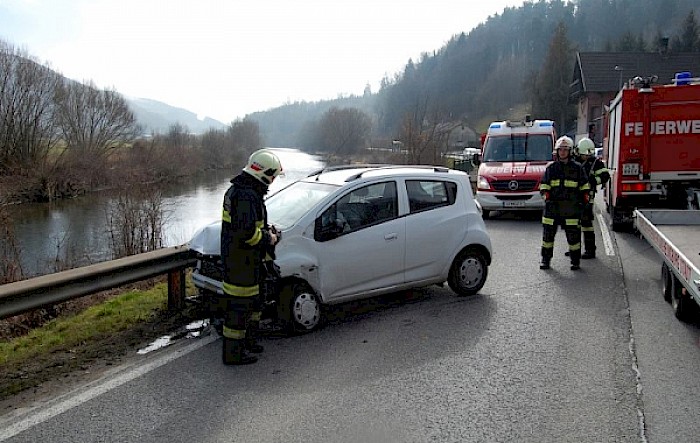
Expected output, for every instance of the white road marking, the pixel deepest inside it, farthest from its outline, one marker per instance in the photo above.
(39, 414)
(605, 233)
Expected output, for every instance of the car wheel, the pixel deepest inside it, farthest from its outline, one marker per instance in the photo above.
(485, 213)
(300, 308)
(468, 272)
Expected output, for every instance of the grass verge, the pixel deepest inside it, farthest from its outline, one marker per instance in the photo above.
(99, 334)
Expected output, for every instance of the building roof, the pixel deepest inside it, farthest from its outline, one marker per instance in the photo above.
(604, 72)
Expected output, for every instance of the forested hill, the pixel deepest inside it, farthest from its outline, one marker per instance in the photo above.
(490, 71)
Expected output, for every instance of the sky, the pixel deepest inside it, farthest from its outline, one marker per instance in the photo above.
(228, 58)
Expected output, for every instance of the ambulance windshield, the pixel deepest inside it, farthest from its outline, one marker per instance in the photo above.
(518, 148)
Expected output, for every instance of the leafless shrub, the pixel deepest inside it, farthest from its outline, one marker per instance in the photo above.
(136, 221)
(10, 265)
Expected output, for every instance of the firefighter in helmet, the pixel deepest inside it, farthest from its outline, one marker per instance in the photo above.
(246, 241)
(564, 188)
(598, 175)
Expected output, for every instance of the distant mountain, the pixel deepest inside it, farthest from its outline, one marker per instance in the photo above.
(158, 117)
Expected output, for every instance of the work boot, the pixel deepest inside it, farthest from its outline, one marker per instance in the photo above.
(252, 346)
(575, 266)
(234, 353)
(544, 264)
(588, 255)
(251, 338)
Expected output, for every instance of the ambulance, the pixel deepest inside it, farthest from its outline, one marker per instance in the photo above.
(513, 159)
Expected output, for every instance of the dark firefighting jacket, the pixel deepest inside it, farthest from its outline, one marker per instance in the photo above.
(565, 187)
(244, 237)
(598, 174)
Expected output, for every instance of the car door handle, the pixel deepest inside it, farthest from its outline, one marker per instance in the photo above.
(392, 236)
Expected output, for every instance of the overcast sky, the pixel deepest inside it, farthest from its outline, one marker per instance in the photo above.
(228, 58)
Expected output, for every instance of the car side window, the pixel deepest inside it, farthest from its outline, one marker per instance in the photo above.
(424, 195)
(358, 209)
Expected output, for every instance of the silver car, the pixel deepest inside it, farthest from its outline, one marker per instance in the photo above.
(355, 232)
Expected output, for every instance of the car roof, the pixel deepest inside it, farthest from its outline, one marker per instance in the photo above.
(340, 175)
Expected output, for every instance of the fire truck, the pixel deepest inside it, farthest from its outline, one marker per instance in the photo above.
(513, 159)
(652, 147)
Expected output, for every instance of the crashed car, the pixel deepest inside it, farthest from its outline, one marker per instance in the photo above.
(353, 232)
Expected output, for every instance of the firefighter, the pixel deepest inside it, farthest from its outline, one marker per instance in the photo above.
(246, 241)
(564, 188)
(598, 175)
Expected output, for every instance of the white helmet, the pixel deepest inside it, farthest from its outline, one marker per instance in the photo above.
(564, 142)
(263, 165)
(586, 146)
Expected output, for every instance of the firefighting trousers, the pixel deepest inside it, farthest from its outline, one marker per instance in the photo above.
(237, 316)
(573, 236)
(587, 228)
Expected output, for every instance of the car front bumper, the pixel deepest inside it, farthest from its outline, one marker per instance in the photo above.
(525, 201)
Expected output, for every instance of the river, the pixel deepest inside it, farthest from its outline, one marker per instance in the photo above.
(74, 232)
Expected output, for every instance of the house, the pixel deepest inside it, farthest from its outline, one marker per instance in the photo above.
(598, 76)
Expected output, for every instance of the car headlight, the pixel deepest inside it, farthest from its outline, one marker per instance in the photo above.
(482, 183)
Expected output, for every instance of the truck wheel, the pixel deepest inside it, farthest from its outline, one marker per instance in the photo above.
(666, 284)
(299, 308)
(683, 306)
(468, 272)
(616, 222)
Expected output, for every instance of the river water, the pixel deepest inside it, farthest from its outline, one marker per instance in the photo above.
(74, 232)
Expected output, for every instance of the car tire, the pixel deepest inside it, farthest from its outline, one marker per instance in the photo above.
(299, 308)
(468, 272)
(485, 214)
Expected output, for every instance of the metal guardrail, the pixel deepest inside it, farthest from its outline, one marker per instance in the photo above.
(46, 290)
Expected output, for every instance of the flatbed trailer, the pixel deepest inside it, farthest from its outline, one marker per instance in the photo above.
(675, 235)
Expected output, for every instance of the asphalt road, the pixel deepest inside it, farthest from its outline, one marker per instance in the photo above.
(538, 356)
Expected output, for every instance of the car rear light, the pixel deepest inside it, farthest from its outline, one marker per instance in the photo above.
(635, 187)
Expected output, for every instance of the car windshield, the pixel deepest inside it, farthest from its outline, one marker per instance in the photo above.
(518, 148)
(286, 207)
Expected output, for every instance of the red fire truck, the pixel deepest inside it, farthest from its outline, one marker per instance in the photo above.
(652, 147)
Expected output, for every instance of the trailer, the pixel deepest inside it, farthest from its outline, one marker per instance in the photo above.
(675, 235)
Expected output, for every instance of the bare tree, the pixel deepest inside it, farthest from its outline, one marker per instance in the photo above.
(423, 134)
(27, 131)
(213, 144)
(244, 135)
(92, 122)
(343, 131)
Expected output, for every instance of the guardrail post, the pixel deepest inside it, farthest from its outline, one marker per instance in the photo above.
(176, 289)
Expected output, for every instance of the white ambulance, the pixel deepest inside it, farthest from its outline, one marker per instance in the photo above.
(514, 156)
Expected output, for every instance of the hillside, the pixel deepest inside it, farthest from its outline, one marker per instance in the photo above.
(489, 72)
(158, 117)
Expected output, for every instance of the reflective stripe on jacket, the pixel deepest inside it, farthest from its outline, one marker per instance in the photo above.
(243, 238)
(566, 183)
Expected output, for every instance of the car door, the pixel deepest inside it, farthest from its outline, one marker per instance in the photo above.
(366, 252)
(434, 228)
